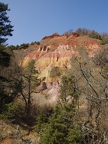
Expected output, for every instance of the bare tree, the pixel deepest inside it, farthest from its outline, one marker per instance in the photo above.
(93, 87)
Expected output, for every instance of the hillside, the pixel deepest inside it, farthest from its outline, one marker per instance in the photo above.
(72, 70)
(53, 91)
(52, 57)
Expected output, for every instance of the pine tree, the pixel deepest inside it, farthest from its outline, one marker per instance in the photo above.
(5, 30)
(5, 24)
(63, 127)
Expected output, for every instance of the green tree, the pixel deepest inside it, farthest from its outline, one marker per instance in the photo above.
(25, 82)
(5, 27)
(18, 82)
(68, 89)
(5, 30)
(7, 80)
(43, 118)
(4, 58)
(63, 125)
(30, 80)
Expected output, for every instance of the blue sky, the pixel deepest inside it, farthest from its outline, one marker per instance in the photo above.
(34, 19)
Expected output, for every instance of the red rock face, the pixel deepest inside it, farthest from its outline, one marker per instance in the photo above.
(61, 52)
(56, 51)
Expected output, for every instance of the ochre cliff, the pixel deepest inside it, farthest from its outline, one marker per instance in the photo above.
(56, 51)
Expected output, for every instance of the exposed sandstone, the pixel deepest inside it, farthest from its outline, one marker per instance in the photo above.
(56, 51)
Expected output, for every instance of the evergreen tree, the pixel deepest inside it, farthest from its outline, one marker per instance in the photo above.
(25, 82)
(5, 30)
(5, 26)
(63, 127)
(43, 119)
(68, 89)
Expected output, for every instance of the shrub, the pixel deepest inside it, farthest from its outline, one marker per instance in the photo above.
(43, 118)
(62, 127)
(23, 46)
(55, 71)
(12, 111)
(104, 41)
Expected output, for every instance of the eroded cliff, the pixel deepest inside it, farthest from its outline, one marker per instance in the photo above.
(52, 57)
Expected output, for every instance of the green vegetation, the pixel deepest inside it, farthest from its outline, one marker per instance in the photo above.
(55, 71)
(22, 46)
(63, 126)
(43, 118)
(18, 47)
(14, 81)
(5, 30)
(104, 40)
(69, 123)
(80, 115)
(60, 127)
(93, 34)
(12, 111)
(27, 84)
(5, 27)
(4, 58)
(36, 42)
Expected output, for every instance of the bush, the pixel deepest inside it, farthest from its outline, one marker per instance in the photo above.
(23, 46)
(62, 127)
(104, 41)
(55, 71)
(12, 111)
(43, 119)
(36, 42)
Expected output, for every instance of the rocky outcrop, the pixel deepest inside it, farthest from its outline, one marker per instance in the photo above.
(52, 36)
(56, 51)
(59, 57)
(13, 133)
